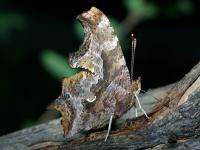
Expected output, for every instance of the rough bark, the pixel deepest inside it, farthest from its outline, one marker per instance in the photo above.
(174, 124)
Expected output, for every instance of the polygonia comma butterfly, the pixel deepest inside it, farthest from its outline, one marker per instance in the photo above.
(103, 88)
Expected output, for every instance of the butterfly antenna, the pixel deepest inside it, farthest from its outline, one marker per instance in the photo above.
(133, 47)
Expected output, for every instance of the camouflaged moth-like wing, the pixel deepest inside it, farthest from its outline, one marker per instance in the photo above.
(103, 88)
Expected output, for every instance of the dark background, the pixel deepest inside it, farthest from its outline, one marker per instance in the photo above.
(167, 48)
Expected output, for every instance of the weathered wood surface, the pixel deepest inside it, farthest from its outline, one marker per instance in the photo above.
(174, 124)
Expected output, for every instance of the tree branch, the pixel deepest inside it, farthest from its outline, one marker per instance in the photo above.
(174, 124)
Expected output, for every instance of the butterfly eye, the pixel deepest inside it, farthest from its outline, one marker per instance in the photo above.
(67, 95)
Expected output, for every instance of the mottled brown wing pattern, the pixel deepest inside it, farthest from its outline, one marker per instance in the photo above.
(105, 78)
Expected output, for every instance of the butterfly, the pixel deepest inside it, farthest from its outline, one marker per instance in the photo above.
(103, 89)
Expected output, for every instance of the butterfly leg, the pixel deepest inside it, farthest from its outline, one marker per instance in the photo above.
(136, 113)
(109, 127)
(138, 101)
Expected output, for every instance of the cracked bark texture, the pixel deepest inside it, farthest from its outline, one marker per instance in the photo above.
(174, 124)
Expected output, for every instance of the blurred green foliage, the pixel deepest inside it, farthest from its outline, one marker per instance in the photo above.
(56, 64)
(10, 22)
(180, 7)
(141, 8)
(78, 30)
(185, 6)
